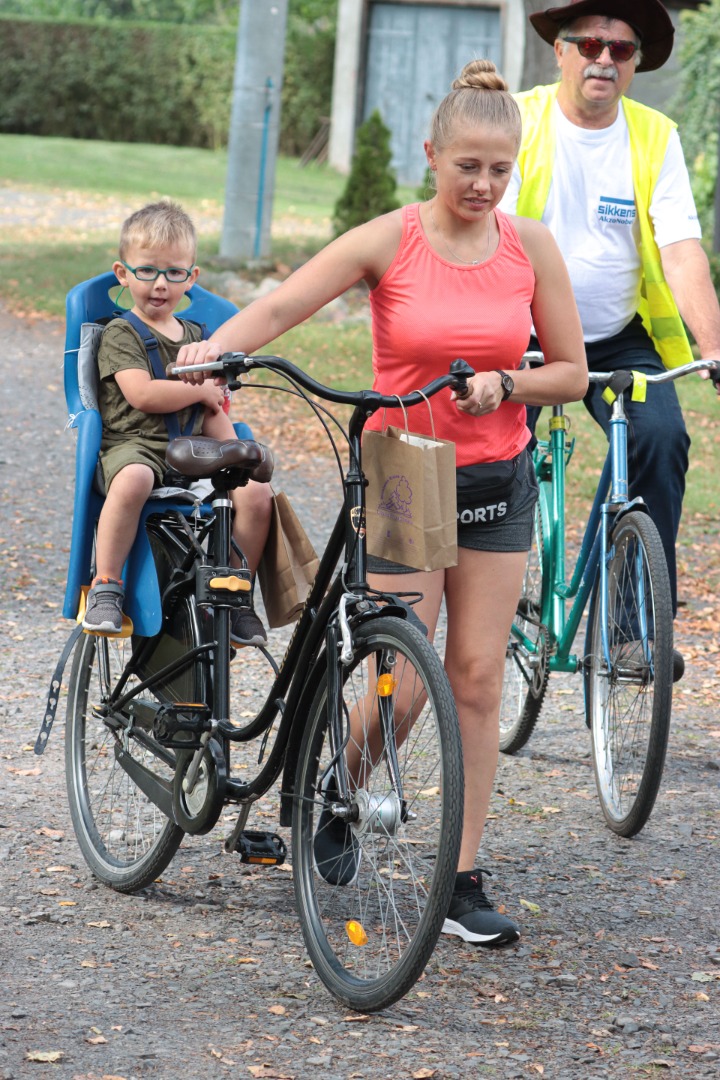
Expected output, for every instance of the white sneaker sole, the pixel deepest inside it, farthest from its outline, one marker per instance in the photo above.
(102, 628)
(458, 930)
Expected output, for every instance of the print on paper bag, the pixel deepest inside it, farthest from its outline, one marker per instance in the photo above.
(396, 499)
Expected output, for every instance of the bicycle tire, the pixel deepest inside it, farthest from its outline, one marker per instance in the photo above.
(526, 673)
(124, 837)
(405, 868)
(629, 702)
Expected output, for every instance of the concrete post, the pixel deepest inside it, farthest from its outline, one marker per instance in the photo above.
(254, 130)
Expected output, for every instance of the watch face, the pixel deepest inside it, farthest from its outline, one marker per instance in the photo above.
(508, 385)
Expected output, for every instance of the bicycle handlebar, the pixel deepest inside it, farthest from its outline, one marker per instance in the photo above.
(233, 365)
(666, 376)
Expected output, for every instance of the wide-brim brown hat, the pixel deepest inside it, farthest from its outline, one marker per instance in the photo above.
(648, 17)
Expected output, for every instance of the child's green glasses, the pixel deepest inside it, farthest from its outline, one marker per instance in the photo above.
(174, 274)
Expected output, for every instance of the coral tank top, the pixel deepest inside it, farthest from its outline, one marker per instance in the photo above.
(427, 312)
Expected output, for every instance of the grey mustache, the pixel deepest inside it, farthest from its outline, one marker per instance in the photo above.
(596, 71)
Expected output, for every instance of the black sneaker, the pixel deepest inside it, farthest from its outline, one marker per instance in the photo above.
(472, 917)
(336, 851)
(103, 611)
(678, 666)
(246, 628)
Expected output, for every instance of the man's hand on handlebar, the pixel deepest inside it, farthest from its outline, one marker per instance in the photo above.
(199, 352)
(714, 375)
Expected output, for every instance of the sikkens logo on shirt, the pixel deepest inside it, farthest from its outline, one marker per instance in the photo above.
(616, 211)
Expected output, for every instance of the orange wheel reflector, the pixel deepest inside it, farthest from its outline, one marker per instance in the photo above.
(385, 685)
(356, 932)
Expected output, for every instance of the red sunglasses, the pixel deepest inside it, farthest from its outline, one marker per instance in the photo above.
(592, 47)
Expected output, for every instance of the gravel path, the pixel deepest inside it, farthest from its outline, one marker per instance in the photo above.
(617, 974)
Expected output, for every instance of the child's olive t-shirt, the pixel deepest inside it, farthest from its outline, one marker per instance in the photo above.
(122, 348)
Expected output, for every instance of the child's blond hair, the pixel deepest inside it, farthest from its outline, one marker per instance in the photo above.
(156, 225)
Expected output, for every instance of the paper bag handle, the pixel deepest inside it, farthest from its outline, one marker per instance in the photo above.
(404, 411)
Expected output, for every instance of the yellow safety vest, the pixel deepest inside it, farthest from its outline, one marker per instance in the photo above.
(649, 133)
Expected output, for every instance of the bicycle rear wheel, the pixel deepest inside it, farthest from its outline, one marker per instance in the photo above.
(526, 671)
(371, 937)
(629, 692)
(126, 840)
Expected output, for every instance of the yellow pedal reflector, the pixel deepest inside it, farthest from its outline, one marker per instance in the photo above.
(356, 932)
(232, 584)
(385, 684)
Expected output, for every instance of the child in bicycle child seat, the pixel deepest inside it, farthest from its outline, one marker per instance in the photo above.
(157, 266)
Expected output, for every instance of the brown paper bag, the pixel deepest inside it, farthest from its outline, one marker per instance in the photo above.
(411, 507)
(288, 565)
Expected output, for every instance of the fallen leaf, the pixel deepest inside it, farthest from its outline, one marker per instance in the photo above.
(45, 1056)
(278, 1010)
(534, 908)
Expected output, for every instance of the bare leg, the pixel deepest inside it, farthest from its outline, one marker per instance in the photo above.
(119, 518)
(365, 746)
(481, 596)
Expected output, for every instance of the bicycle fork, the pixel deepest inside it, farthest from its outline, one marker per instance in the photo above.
(618, 500)
(381, 811)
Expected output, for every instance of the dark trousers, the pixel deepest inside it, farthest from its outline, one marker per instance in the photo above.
(658, 442)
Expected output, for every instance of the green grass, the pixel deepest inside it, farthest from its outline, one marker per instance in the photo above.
(40, 260)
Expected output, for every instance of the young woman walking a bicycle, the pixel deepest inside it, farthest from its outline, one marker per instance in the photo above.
(454, 277)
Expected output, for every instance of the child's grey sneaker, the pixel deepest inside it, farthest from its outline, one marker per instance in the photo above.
(104, 609)
(472, 917)
(335, 849)
(246, 628)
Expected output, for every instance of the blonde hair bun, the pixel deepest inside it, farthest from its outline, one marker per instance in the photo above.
(480, 75)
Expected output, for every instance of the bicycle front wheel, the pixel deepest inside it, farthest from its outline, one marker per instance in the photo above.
(526, 672)
(126, 840)
(374, 870)
(629, 681)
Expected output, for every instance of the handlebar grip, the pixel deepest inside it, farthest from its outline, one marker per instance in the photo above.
(461, 372)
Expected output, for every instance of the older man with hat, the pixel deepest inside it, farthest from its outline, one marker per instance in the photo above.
(608, 176)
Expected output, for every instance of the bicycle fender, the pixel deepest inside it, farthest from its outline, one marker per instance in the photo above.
(54, 694)
(635, 504)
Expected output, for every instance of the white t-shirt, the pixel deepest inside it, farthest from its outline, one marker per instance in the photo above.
(591, 213)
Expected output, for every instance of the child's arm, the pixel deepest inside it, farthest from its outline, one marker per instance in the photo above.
(166, 395)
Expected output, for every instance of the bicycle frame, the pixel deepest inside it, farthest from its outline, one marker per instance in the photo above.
(611, 500)
(334, 604)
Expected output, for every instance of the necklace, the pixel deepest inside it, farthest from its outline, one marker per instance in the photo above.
(473, 262)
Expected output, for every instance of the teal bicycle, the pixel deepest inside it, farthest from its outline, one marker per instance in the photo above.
(627, 661)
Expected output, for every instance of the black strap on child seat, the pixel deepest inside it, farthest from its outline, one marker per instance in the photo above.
(151, 345)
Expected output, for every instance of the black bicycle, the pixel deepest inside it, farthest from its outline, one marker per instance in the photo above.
(359, 722)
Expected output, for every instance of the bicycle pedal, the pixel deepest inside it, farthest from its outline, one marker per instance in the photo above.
(261, 848)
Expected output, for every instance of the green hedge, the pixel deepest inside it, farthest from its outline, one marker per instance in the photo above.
(150, 82)
(121, 82)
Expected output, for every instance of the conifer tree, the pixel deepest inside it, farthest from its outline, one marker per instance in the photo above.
(371, 184)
